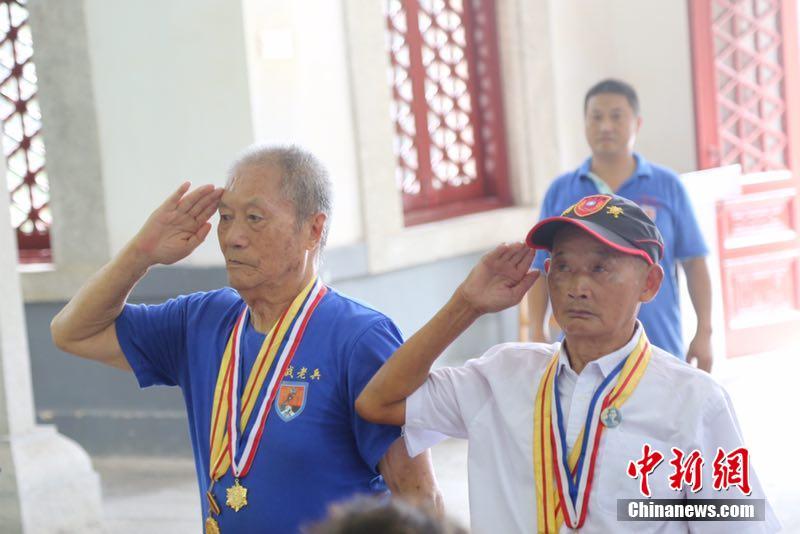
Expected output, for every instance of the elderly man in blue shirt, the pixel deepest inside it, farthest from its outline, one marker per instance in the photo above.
(612, 121)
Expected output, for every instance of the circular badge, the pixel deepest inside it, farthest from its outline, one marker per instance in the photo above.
(591, 205)
(611, 417)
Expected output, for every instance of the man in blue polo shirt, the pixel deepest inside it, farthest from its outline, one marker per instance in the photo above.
(612, 120)
(270, 367)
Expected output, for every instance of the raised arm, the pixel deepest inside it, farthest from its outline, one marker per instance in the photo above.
(85, 326)
(497, 282)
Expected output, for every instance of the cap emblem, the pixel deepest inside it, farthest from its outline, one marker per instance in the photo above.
(591, 205)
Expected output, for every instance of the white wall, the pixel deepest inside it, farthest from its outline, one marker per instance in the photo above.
(172, 102)
(645, 42)
(299, 85)
(181, 86)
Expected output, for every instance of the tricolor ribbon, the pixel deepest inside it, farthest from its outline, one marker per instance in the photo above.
(564, 478)
(283, 339)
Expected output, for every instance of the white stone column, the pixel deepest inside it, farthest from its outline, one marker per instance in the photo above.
(47, 484)
(79, 232)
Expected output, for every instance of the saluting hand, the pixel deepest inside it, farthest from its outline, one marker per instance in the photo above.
(178, 225)
(500, 279)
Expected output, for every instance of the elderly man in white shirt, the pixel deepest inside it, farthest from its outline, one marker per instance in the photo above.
(560, 434)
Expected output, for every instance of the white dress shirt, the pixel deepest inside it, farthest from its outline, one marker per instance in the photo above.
(490, 400)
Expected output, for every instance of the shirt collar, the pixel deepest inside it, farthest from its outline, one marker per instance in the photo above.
(643, 168)
(608, 362)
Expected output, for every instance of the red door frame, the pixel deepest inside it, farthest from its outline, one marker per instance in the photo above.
(754, 264)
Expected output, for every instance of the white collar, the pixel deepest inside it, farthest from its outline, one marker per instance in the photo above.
(608, 362)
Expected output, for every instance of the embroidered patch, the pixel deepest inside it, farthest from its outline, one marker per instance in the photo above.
(291, 399)
(591, 205)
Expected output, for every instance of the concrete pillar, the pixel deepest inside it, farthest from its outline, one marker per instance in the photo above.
(79, 233)
(47, 484)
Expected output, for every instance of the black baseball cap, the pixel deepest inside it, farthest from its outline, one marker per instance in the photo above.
(615, 221)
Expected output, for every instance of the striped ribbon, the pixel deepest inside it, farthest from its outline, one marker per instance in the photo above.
(281, 341)
(564, 478)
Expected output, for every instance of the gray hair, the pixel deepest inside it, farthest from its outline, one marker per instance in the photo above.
(304, 180)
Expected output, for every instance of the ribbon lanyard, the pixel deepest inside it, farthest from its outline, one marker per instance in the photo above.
(574, 477)
(241, 454)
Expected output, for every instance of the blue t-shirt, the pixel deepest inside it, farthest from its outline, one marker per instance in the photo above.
(315, 448)
(662, 196)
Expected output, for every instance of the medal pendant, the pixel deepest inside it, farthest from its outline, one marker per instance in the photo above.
(611, 417)
(212, 527)
(237, 496)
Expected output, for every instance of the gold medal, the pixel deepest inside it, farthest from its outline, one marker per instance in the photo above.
(212, 527)
(237, 496)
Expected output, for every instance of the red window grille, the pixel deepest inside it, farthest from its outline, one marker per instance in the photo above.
(747, 108)
(22, 140)
(742, 70)
(447, 108)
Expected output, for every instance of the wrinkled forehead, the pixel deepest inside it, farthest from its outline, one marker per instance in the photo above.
(262, 174)
(255, 186)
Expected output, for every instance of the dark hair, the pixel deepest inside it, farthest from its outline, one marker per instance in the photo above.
(617, 87)
(368, 515)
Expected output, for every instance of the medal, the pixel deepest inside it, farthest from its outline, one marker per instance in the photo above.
(237, 496)
(611, 417)
(563, 477)
(229, 417)
(212, 527)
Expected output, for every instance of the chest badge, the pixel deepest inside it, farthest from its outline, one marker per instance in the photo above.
(611, 417)
(291, 399)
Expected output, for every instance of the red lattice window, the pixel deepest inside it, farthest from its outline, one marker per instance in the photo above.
(447, 108)
(741, 69)
(22, 141)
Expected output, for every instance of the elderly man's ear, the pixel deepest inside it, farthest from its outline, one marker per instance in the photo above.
(655, 275)
(317, 227)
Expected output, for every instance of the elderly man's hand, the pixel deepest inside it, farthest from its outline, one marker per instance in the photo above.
(500, 279)
(700, 351)
(178, 225)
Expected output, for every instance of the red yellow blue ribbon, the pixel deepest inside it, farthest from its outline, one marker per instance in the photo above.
(224, 434)
(563, 478)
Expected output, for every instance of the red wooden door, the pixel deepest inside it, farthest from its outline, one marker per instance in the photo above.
(747, 108)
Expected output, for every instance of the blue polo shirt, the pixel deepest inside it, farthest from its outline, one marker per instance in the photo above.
(661, 195)
(315, 449)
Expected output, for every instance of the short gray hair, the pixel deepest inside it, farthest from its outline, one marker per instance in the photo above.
(305, 181)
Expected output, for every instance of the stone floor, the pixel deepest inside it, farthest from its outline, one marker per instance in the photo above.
(160, 495)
